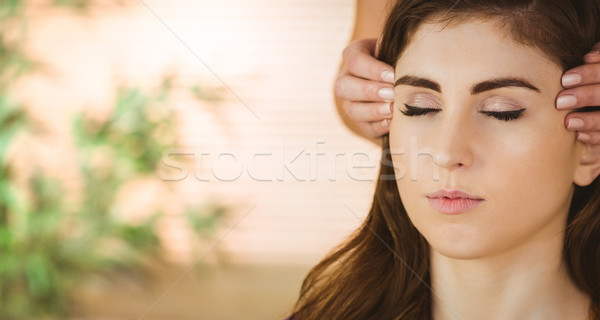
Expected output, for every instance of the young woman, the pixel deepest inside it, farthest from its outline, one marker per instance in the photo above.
(486, 206)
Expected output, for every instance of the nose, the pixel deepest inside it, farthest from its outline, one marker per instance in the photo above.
(454, 142)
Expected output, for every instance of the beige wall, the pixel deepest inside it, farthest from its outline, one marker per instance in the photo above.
(279, 59)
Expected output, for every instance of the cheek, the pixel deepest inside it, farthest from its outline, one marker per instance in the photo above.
(411, 149)
(412, 157)
(397, 146)
(538, 148)
(533, 169)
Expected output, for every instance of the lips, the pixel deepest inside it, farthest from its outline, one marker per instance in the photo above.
(453, 201)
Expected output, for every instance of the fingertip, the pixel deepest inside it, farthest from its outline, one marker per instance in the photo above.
(583, 137)
(575, 123)
(386, 93)
(570, 79)
(385, 109)
(382, 128)
(377, 129)
(592, 57)
(387, 76)
(566, 101)
(566, 122)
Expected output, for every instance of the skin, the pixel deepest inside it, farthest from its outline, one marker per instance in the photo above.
(362, 77)
(501, 259)
(362, 87)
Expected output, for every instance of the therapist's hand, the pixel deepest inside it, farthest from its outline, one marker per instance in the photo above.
(582, 89)
(364, 90)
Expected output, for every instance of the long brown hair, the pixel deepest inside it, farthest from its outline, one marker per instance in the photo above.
(382, 270)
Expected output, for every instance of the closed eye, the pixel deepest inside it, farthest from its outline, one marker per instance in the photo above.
(417, 111)
(505, 115)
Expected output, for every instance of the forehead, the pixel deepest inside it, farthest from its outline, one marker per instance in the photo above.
(474, 49)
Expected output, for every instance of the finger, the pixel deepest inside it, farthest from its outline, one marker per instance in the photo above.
(378, 128)
(589, 137)
(579, 97)
(588, 73)
(359, 61)
(592, 57)
(348, 87)
(583, 121)
(368, 111)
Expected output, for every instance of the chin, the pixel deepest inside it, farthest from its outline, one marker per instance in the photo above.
(460, 251)
(460, 245)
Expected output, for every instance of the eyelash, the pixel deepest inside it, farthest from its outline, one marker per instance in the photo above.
(412, 111)
(505, 115)
(417, 111)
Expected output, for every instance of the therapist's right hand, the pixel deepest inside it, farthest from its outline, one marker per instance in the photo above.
(364, 90)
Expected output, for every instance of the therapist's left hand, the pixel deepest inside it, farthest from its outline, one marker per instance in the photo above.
(582, 89)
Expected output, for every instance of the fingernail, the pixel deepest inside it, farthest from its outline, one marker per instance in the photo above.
(386, 93)
(583, 137)
(385, 123)
(387, 76)
(566, 101)
(571, 79)
(385, 109)
(575, 123)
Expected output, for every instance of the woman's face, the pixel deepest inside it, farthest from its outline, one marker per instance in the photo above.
(483, 162)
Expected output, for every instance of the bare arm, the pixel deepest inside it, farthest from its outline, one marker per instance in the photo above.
(370, 18)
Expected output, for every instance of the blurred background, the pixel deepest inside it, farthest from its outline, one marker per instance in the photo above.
(172, 159)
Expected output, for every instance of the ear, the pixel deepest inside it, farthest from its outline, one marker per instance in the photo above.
(589, 165)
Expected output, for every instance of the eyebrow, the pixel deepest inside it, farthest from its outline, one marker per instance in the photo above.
(418, 82)
(475, 89)
(501, 83)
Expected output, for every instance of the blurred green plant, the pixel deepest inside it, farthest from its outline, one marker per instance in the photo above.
(48, 246)
(51, 243)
